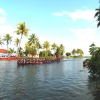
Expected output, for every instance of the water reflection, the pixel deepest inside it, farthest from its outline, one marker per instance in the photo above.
(65, 80)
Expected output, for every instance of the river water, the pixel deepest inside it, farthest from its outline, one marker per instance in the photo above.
(65, 80)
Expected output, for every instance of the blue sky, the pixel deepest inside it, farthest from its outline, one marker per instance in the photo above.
(67, 22)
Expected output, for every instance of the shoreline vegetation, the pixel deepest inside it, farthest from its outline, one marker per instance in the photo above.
(33, 47)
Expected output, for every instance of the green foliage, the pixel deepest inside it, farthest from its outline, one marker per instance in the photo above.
(92, 48)
(77, 53)
(45, 53)
(97, 14)
(68, 54)
(10, 50)
(94, 63)
(8, 39)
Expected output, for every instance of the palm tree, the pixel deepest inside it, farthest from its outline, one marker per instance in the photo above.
(17, 42)
(38, 46)
(62, 49)
(58, 51)
(11, 50)
(1, 42)
(80, 52)
(30, 49)
(97, 14)
(54, 47)
(74, 52)
(46, 45)
(8, 39)
(92, 48)
(22, 30)
(33, 40)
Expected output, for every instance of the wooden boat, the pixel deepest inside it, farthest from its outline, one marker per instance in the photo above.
(9, 58)
(25, 61)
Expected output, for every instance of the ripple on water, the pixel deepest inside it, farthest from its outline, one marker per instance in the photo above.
(56, 81)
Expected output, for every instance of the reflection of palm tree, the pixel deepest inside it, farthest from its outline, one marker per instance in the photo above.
(22, 30)
(8, 39)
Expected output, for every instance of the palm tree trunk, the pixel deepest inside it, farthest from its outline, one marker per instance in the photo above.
(20, 43)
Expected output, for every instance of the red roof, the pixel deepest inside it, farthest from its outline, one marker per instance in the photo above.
(3, 51)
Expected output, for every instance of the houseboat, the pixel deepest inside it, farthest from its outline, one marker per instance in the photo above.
(7, 56)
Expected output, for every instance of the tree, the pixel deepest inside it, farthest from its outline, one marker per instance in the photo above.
(92, 49)
(97, 14)
(94, 64)
(33, 40)
(80, 52)
(8, 39)
(11, 50)
(30, 49)
(62, 49)
(17, 42)
(46, 45)
(74, 52)
(54, 47)
(58, 51)
(1, 42)
(68, 54)
(22, 30)
(38, 46)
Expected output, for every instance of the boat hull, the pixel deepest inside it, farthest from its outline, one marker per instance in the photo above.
(9, 58)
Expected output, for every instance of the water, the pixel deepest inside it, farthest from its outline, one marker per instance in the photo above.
(65, 80)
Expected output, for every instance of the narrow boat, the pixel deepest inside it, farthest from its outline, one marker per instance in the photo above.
(24, 61)
(9, 58)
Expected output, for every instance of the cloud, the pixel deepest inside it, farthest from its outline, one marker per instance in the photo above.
(5, 29)
(2, 16)
(3, 19)
(79, 14)
(2, 11)
(83, 37)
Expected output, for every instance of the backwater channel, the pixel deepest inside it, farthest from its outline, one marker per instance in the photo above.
(64, 80)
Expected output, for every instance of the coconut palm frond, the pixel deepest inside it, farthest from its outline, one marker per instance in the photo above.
(98, 24)
(96, 14)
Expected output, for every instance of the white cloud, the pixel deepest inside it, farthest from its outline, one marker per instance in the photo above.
(84, 37)
(2, 11)
(5, 29)
(2, 19)
(2, 16)
(79, 14)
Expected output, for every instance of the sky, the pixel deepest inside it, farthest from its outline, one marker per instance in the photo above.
(67, 22)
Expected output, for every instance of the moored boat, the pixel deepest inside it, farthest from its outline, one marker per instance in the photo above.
(24, 61)
(9, 58)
